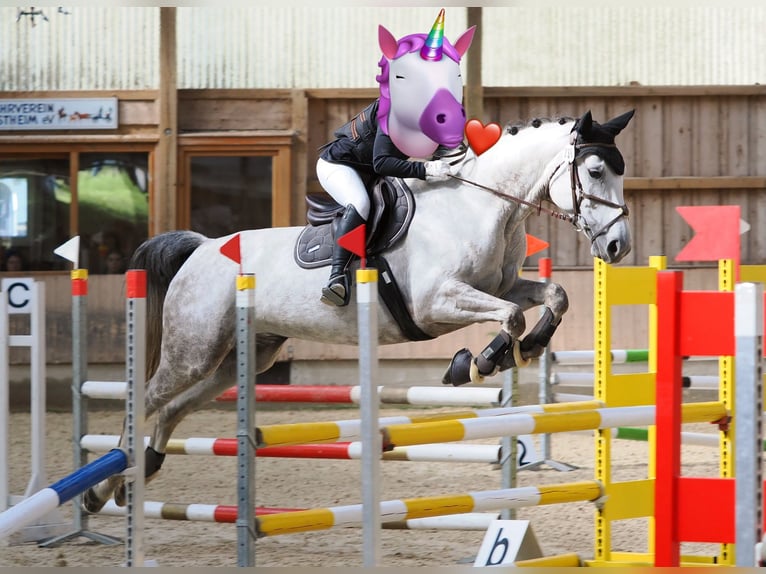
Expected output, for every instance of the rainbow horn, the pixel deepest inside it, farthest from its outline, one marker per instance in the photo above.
(432, 49)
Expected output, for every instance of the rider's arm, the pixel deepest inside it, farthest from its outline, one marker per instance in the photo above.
(388, 160)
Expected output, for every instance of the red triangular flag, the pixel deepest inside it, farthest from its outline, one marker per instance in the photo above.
(354, 241)
(231, 249)
(717, 233)
(535, 244)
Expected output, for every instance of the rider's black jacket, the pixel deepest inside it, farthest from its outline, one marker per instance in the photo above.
(361, 145)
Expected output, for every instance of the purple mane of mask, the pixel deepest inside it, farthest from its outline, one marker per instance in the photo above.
(405, 45)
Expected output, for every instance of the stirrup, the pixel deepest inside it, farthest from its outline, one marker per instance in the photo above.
(336, 292)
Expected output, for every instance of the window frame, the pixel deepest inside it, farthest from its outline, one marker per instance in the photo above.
(72, 151)
(277, 146)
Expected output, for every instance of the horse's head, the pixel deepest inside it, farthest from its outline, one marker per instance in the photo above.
(421, 89)
(593, 189)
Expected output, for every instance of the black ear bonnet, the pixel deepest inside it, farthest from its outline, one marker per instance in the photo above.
(601, 136)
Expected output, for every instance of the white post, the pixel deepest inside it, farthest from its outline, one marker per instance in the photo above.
(367, 320)
(135, 372)
(25, 296)
(245, 427)
(5, 402)
(38, 479)
(748, 329)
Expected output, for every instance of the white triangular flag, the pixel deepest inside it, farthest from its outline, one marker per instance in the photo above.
(744, 226)
(70, 250)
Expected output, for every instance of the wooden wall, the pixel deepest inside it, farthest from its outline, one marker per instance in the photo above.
(685, 146)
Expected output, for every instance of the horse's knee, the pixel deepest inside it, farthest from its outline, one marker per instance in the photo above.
(556, 299)
(516, 323)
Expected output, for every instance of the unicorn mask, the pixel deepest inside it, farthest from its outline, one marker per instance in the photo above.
(421, 89)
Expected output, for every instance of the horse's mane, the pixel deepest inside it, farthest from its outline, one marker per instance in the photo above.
(541, 185)
(515, 128)
(405, 45)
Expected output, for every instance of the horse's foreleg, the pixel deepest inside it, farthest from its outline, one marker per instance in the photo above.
(468, 305)
(555, 302)
(507, 349)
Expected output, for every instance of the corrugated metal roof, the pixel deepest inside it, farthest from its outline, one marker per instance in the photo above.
(113, 48)
(573, 46)
(93, 48)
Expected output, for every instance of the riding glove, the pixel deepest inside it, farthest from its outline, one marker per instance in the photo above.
(437, 170)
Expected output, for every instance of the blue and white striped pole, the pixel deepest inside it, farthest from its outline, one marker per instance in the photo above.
(44, 501)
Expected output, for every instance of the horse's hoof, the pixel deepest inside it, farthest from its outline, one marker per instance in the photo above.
(92, 503)
(120, 495)
(459, 370)
(335, 294)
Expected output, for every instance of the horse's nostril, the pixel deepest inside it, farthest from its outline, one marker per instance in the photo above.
(441, 118)
(613, 248)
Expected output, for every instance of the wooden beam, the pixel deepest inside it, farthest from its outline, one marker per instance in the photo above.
(164, 214)
(725, 182)
(300, 167)
(474, 88)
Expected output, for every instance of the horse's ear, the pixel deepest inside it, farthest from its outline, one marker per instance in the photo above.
(616, 125)
(464, 42)
(387, 42)
(584, 124)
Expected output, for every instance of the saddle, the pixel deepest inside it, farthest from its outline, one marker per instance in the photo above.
(391, 212)
(392, 208)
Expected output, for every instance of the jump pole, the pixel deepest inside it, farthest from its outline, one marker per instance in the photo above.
(130, 462)
(245, 408)
(26, 296)
(79, 288)
(367, 324)
(748, 338)
(545, 394)
(409, 508)
(721, 323)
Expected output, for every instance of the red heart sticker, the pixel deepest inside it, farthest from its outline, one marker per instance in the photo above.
(481, 137)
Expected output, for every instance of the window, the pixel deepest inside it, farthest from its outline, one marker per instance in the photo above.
(230, 193)
(233, 183)
(40, 208)
(113, 208)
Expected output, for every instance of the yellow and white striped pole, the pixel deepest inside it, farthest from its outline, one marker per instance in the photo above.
(410, 508)
(350, 430)
(521, 424)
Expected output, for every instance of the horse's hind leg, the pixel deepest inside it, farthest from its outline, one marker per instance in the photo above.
(191, 399)
(169, 415)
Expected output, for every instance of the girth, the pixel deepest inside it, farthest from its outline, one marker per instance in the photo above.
(392, 209)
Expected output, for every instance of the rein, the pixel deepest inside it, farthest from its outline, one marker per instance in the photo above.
(538, 207)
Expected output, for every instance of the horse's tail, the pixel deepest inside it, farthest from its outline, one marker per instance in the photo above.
(161, 257)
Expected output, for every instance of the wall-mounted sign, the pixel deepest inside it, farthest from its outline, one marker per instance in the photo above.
(58, 114)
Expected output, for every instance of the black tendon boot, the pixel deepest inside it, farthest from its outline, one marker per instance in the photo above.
(338, 290)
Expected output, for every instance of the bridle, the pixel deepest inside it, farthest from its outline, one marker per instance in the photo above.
(578, 194)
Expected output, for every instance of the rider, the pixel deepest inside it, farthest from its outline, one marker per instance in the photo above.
(346, 167)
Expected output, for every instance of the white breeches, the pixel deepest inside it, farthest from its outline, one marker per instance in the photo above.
(344, 185)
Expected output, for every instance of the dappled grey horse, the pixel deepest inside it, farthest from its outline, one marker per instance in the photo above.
(458, 265)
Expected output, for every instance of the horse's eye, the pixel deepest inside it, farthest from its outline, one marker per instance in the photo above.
(398, 77)
(594, 173)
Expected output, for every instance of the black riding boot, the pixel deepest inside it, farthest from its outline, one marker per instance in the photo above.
(338, 290)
